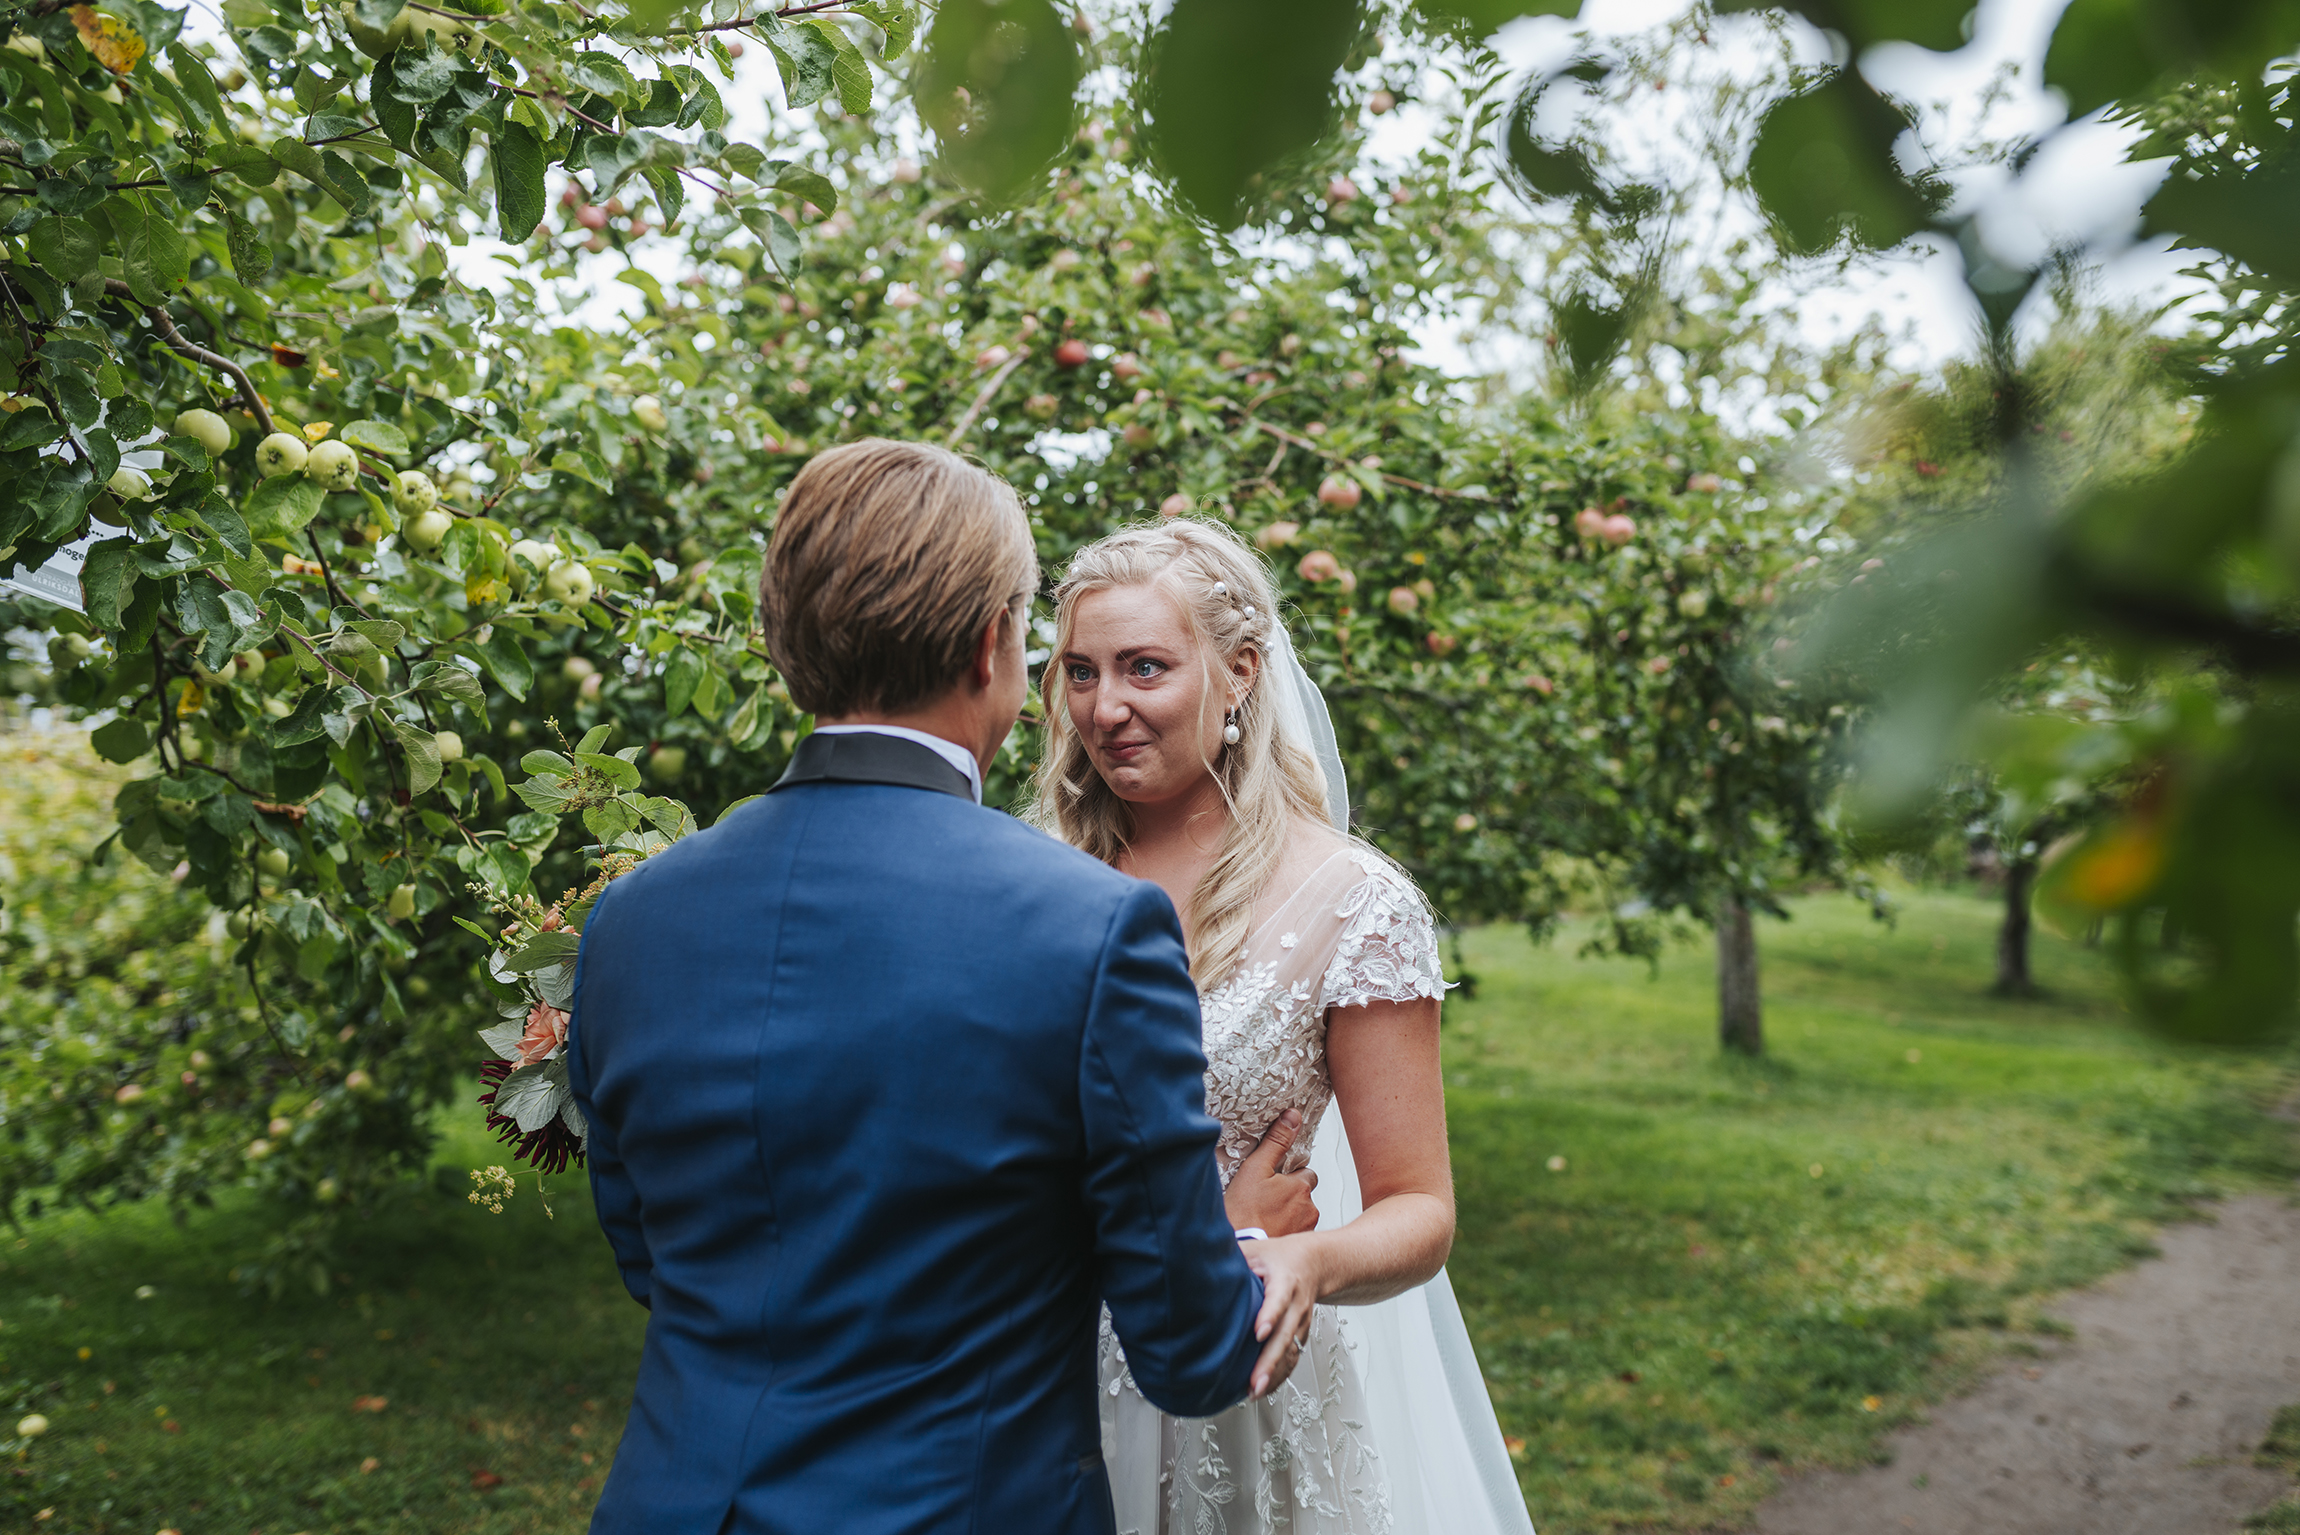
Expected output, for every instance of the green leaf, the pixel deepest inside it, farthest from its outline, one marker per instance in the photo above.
(30, 427)
(518, 160)
(610, 820)
(66, 247)
(397, 117)
(584, 465)
(805, 59)
(604, 74)
(998, 81)
(506, 661)
(245, 161)
(779, 236)
(283, 505)
(422, 756)
(812, 186)
(850, 71)
(421, 78)
(153, 256)
(659, 108)
(897, 21)
(375, 436)
(193, 79)
(251, 257)
(1823, 168)
(670, 196)
(745, 160)
(123, 740)
(445, 679)
(682, 674)
(224, 520)
(594, 738)
(1235, 89)
(108, 581)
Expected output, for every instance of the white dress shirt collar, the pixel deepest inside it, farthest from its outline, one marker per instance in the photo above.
(949, 751)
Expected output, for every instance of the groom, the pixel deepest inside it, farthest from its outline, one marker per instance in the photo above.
(888, 1092)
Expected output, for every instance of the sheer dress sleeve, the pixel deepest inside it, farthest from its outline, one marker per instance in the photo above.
(1388, 950)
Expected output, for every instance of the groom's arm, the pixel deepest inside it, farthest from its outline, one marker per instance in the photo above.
(1180, 1293)
(612, 1193)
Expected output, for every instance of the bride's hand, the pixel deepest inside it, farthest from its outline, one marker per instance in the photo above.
(1262, 1196)
(1288, 1267)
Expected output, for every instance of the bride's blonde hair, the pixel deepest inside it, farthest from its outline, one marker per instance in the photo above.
(1229, 602)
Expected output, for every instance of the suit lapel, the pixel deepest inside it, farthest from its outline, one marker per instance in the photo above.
(867, 757)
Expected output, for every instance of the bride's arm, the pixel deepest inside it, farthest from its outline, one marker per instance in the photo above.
(1387, 1078)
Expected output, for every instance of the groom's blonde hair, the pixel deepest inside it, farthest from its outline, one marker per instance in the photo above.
(887, 560)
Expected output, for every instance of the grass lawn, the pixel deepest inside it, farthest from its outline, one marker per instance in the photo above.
(1740, 1267)
(1744, 1267)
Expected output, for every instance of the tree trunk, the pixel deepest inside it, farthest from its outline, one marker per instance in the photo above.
(1740, 1008)
(2012, 936)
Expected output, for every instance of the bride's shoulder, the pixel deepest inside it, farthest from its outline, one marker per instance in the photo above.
(1347, 867)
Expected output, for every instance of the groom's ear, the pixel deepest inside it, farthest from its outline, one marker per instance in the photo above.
(988, 644)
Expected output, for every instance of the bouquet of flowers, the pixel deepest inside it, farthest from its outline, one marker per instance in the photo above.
(529, 1103)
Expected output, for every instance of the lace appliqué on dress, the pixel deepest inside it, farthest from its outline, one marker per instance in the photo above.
(1299, 1460)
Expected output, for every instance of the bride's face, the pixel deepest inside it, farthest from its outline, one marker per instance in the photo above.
(1143, 696)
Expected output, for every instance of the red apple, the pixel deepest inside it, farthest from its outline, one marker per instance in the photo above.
(1175, 505)
(591, 216)
(1404, 599)
(1541, 684)
(1125, 367)
(1440, 644)
(1319, 565)
(1341, 190)
(1589, 522)
(1340, 492)
(1071, 354)
(1619, 529)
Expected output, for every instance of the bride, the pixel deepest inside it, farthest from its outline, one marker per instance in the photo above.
(1185, 745)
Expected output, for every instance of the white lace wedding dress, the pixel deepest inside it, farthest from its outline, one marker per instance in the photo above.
(1384, 1427)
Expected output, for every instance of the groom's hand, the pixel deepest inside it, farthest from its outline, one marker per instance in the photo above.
(1260, 1195)
(1288, 1268)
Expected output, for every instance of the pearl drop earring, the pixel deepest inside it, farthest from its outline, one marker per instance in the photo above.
(1230, 731)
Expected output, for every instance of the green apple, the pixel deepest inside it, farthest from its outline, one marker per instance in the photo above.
(280, 453)
(66, 651)
(334, 465)
(570, 582)
(530, 557)
(668, 763)
(206, 428)
(413, 493)
(129, 484)
(648, 412)
(327, 1191)
(274, 862)
(278, 708)
(401, 906)
(426, 530)
(449, 745)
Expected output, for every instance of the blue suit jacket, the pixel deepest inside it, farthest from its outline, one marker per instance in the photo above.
(887, 1092)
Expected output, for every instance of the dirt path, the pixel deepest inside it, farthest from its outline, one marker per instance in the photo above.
(2144, 1423)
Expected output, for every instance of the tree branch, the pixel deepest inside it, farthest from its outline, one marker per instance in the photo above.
(175, 342)
(982, 400)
